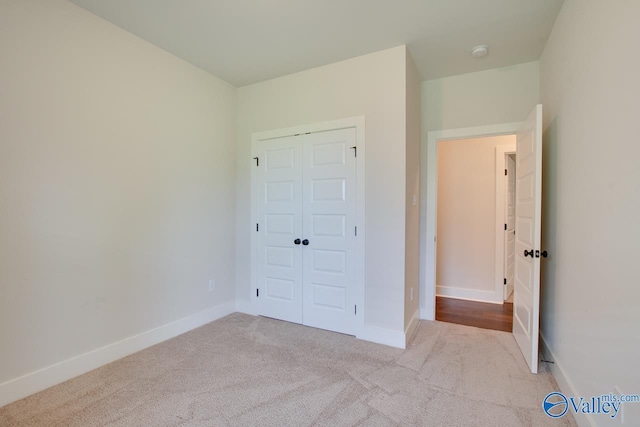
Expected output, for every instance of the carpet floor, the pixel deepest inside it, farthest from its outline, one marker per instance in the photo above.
(251, 371)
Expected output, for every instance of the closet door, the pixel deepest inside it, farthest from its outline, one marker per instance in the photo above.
(329, 212)
(279, 258)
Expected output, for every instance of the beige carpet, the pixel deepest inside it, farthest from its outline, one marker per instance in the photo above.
(251, 371)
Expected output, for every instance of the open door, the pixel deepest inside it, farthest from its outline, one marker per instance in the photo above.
(510, 229)
(526, 300)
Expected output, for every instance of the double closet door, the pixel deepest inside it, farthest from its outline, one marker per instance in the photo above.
(306, 231)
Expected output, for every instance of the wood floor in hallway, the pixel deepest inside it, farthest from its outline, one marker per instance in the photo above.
(479, 314)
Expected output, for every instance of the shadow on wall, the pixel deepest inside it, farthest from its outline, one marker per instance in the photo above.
(549, 225)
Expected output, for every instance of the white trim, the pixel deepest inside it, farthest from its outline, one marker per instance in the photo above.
(411, 327)
(564, 382)
(384, 336)
(313, 127)
(246, 307)
(468, 294)
(501, 217)
(41, 379)
(428, 198)
(353, 122)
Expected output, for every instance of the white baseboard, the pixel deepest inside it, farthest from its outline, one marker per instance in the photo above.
(383, 336)
(246, 307)
(367, 333)
(411, 327)
(39, 380)
(470, 294)
(427, 313)
(564, 382)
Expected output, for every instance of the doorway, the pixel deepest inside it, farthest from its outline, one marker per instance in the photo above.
(473, 251)
(528, 196)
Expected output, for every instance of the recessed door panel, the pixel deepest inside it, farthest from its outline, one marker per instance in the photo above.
(280, 224)
(526, 185)
(279, 191)
(280, 290)
(330, 154)
(524, 273)
(328, 190)
(329, 261)
(329, 297)
(283, 158)
(329, 225)
(277, 256)
(524, 229)
(523, 317)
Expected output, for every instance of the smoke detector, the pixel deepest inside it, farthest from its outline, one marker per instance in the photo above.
(480, 51)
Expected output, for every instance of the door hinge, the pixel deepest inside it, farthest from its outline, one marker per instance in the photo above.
(257, 292)
(355, 309)
(257, 227)
(257, 161)
(505, 281)
(355, 151)
(505, 227)
(505, 172)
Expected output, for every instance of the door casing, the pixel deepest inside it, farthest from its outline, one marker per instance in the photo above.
(428, 203)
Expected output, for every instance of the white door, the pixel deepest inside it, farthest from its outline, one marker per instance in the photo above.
(526, 303)
(279, 259)
(329, 212)
(510, 238)
(306, 189)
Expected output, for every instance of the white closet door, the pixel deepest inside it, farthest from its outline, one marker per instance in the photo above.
(279, 259)
(329, 212)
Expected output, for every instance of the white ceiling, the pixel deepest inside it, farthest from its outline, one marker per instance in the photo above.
(247, 41)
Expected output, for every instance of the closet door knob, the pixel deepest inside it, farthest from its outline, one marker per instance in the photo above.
(528, 253)
(305, 242)
(297, 241)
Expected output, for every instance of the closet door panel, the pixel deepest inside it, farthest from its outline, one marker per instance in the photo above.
(279, 270)
(329, 212)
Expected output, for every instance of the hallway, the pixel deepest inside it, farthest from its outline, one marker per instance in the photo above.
(471, 313)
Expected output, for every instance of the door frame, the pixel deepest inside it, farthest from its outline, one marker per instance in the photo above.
(501, 214)
(429, 200)
(358, 123)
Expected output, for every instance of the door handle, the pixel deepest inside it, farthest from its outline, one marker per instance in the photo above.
(305, 242)
(527, 253)
(297, 241)
(544, 254)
